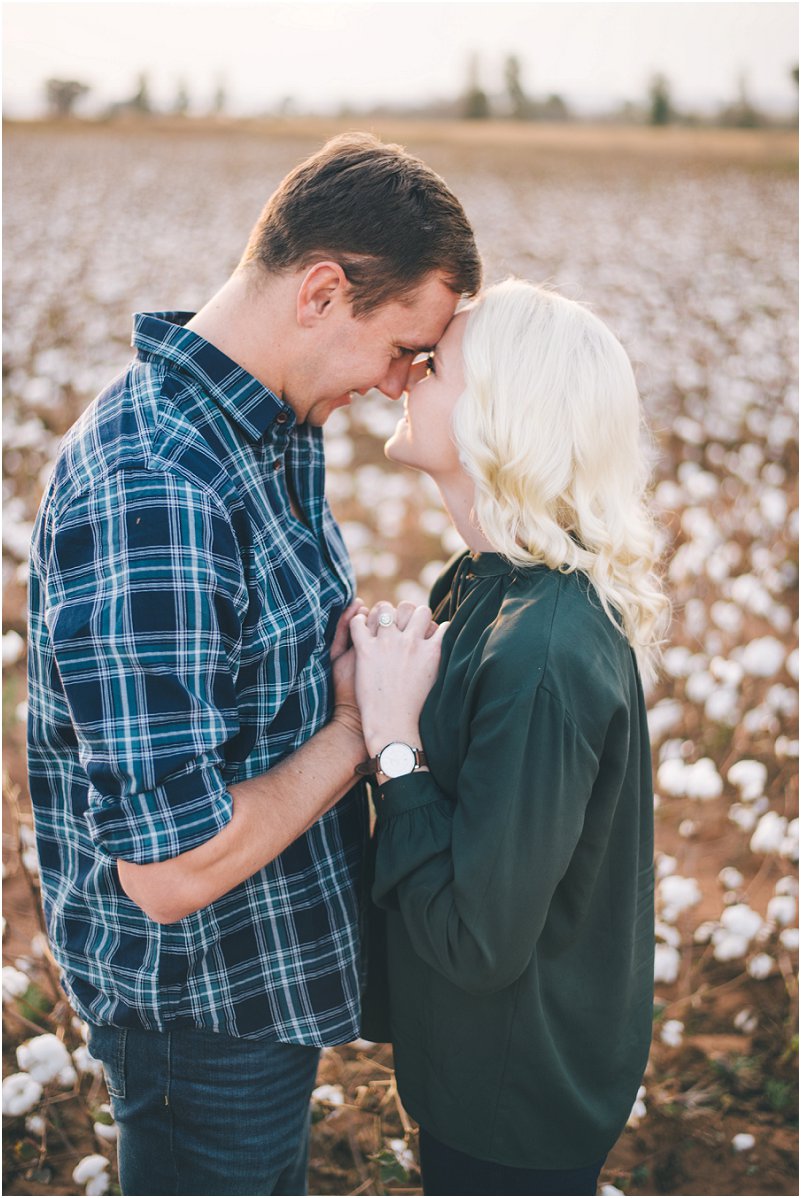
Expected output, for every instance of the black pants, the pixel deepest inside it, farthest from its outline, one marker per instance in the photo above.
(448, 1171)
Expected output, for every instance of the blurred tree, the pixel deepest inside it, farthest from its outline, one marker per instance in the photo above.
(140, 101)
(62, 95)
(661, 108)
(181, 104)
(742, 114)
(518, 100)
(476, 104)
(220, 99)
(554, 109)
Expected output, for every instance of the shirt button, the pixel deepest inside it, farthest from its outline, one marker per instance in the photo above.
(282, 418)
(277, 464)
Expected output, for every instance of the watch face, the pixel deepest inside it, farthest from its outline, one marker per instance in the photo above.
(397, 759)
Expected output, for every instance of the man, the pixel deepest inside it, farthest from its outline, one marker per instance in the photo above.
(192, 729)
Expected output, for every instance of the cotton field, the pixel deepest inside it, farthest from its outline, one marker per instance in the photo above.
(689, 252)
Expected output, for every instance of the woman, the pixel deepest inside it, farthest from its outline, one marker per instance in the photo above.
(514, 858)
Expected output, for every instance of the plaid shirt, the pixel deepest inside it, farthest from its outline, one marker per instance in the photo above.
(180, 625)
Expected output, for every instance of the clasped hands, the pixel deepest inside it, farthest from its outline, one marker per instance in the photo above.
(385, 660)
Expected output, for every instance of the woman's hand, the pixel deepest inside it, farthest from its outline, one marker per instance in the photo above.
(396, 665)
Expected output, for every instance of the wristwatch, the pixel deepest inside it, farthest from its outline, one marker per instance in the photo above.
(394, 760)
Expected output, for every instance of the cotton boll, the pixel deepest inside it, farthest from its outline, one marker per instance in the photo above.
(789, 846)
(727, 616)
(782, 699)
(66, 1077)
(788, 938)
(610, 1191)
(763, 657)
(671, 776)
(730, 673)
(744, 817)
(665, 865)
(702, 781)
(330, 1095)
(786, 885)
(672, 1033)
(743, 1142)
(677, 661)
(99, 1184)
(792, 664)
(663, 718)
(35, 1125)
(760, 719)
(729, 946)
(769, 834)
(403, 1154)
(666, 963)
(687, 829)
(20, 1093)
(749, 777)
(86, 1063)
(677, 894)
(668, 933)
(782, 909)
(730, 878)
(785, 747)
(741, 920)
(761, 966)
(699, 687)
(638, 1111)
(13, 647)
(89, 1167)
(43, 1057)
(107, 1132)
(668, 496)
(704, 932)
(15, 983)
(722, 707)
(746, 1021)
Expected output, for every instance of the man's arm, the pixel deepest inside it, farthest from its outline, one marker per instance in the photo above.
(269, 813)
(146, 597)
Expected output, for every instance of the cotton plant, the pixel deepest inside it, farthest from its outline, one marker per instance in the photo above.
(92, 1173)
(47, 1059)
(21, 1093)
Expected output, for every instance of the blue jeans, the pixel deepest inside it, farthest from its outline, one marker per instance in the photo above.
(204, 1113)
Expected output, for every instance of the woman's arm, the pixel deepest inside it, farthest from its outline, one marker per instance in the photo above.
(474, 879)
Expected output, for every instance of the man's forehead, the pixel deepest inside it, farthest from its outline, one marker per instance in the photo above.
(427, 324)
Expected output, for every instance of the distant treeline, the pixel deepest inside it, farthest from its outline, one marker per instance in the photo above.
(68, 98)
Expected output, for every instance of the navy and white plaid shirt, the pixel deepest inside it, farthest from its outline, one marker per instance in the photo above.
(180, 625)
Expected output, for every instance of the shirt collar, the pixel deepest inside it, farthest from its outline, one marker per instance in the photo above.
(255, 408)
(486, 565)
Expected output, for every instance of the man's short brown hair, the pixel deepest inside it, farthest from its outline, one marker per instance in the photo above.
(382, 214)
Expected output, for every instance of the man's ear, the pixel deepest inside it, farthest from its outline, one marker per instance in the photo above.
(323, 285)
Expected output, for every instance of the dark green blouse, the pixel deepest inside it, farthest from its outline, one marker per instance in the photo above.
(518, 875)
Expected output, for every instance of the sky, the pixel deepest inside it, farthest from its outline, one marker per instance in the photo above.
(325, 54)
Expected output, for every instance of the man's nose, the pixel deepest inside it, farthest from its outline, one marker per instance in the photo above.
(396, 380)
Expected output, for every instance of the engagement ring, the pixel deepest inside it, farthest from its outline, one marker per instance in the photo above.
(386, 619)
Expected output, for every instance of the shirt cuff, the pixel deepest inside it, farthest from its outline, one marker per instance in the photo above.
(158, 824)
(399, 795)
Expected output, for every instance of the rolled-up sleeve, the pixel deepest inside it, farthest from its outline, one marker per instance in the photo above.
(144, 607)
(474, 879)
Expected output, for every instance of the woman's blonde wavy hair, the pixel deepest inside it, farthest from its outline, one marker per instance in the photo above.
(550, 430)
